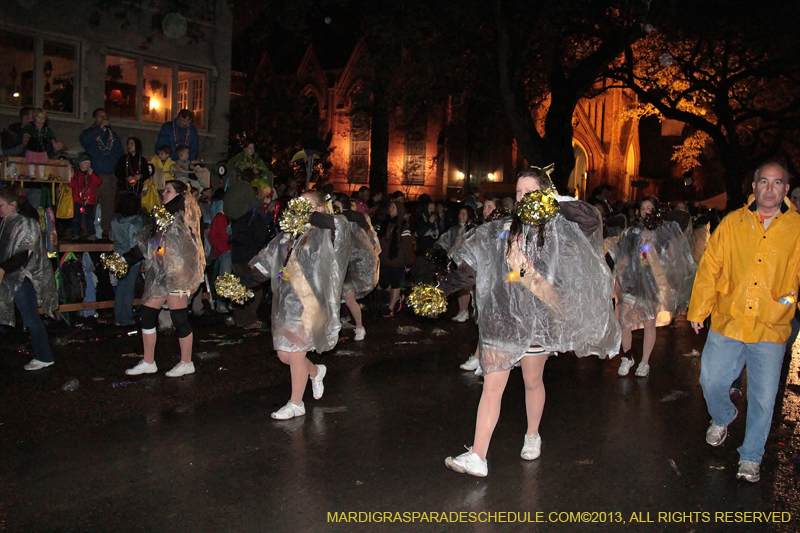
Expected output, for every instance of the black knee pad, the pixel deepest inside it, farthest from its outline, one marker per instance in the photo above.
(180, 319)
(149, 317)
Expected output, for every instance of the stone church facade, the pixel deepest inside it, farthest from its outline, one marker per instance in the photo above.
(606, 148)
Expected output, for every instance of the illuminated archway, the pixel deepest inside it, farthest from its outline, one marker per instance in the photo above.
(577, 178)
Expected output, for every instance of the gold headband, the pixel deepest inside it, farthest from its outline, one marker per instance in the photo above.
(547, 170)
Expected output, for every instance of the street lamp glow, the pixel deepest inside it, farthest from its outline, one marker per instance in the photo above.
(16, 95)
(460, 175)
(491, 176)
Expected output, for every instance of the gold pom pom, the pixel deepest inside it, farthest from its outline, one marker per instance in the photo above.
(296, 216)
(537, 207)
(427, 300)
(164, 218)
(115, 264)
(230, 287)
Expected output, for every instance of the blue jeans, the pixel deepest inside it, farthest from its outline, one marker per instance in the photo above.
(123, 298)
(737, 384)
(722, 360)
(88, 219)
(26, 302)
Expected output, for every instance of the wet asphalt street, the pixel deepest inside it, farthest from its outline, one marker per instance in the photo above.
(201, 453)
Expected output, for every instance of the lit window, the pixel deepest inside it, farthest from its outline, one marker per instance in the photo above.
(121, 85)
(191, 95)
(16, 73)
(157, 93)
(59, 77)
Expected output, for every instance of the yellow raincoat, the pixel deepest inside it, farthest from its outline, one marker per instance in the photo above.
(744, 273)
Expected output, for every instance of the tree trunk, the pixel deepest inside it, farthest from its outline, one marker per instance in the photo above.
(734, 161)
(558, 138)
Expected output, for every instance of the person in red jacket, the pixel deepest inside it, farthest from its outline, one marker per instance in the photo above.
(219, 235)
(84, 183)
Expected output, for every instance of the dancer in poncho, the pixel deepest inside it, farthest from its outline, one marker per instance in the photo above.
(448, 242)
(539, 289)
(364, 265)
(654, 273)
(174, 265)
(307, 266)
(26, 277)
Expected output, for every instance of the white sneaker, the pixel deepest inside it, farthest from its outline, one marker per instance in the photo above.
(462, 316)
(532, 447)
(625, 366)
(35, 364)
(317, 387)
(749, 471)
(468, 462)
(360, 334)
(290, 410)
(181, 369)
(142, 368)
(471, 364)
(642, 370)
(716, 435)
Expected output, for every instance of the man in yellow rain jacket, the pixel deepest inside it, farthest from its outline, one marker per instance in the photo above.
(748, 281)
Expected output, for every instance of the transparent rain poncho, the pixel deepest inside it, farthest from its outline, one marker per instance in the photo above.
(562, 302)
(306, 291)
(655, 273)
(451, 238)
(174, 259)
(19, 233)
(364, 266)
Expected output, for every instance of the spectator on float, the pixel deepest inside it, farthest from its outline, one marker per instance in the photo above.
(105, 148)
(14, 140)
(126, 225)
(84, 186)
(248, 159)
(132, 169)
(179, 132)
(42, 143)
(163, 166)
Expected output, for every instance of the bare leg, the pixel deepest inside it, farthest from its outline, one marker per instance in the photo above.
(149, 339)
(394, 297)
(463, 303)
(627, 339)
(649, 339)
(532, 370)
(301, 368)
(355, 309)
(494, 384)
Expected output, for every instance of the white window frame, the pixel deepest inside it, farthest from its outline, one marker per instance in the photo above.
(176, 85)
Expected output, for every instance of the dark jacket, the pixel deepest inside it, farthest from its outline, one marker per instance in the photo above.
(104, 147)
(249, 234)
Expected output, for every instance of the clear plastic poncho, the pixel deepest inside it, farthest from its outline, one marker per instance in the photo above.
(174, 259)
(655, 273)
(306, 288)
(562, 302)
(451, 238)
(364, 265)
(19, 233)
